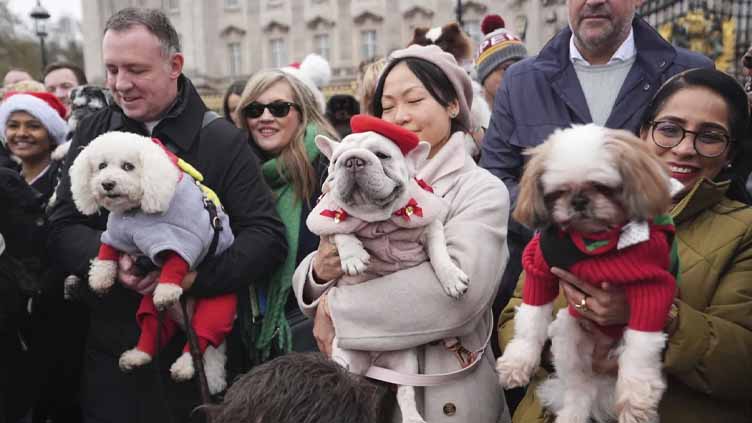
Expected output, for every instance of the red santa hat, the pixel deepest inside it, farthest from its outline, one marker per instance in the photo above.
(405, 140)
(43, 106)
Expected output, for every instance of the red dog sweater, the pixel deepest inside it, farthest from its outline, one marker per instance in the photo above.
(642, 268)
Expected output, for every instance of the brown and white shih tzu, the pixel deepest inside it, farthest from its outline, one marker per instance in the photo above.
(597, 198)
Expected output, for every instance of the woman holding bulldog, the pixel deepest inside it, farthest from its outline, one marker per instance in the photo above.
(423, 90)
(282, 118)
(698, 123)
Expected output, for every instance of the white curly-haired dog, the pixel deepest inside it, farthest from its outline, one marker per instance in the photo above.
(598, 197)
(161, 212)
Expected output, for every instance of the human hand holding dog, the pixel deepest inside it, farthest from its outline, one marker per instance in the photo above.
(326, 264)
(606, 304)
(323, 327)
(130, 277)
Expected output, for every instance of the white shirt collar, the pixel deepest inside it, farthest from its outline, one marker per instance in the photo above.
(625, 51)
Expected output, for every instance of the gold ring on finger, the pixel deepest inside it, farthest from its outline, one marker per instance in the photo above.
(582, 306)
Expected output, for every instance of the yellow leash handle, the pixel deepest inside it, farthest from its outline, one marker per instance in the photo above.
(195, 174)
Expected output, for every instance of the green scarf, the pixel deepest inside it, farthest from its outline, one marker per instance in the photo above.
(289, 208)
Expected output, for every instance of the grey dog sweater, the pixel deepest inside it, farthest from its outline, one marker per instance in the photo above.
(185, 228)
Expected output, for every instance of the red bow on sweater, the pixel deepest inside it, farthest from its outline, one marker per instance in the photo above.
(424, 185)
(337, 215)
(410, 209)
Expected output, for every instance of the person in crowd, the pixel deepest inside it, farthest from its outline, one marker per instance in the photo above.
(144, 63)
(601, 70)
(498, 50)
(424, 90)
(16, 75)
(301, 387)
(231, 100)
(698, 124)
(60, 78)
(32, 126)
(339, 109)
(368, 76)
(282, 117)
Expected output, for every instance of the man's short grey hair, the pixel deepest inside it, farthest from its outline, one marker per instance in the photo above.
(153, 19)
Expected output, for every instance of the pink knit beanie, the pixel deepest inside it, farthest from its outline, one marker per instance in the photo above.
(456, 75)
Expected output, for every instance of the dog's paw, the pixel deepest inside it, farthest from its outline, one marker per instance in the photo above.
(102, 274)
(182, 369)
(166, 295)
(453, 280)
(413, 419)
(637, 398)
(131, 359)
(355, 262)
(517, 364)
(214, 367)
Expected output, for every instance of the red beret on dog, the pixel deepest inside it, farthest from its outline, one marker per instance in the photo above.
(405, 140)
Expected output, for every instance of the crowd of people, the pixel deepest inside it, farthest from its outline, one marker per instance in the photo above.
(479, 110)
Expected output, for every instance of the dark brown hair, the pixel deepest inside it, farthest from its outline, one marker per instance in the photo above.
(301, 387)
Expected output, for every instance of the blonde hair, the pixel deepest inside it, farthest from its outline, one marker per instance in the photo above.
(293, 159)
(370, 73)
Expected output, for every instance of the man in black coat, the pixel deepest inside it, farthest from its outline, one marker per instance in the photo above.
(141, 53)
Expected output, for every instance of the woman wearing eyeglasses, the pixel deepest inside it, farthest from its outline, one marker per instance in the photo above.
(698, 123)
(282, 118)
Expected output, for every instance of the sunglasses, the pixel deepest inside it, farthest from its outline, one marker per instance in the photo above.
(278, 109)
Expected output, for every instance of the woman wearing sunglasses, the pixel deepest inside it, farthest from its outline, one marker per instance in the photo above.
(282, 118)
(698, 123)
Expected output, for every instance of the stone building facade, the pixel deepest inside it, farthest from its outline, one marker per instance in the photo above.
(224, 40)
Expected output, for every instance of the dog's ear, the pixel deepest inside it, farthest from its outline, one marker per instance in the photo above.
(80, 174)
(531, 208)
(645, 179)
(326, 145)
(418, 155)
(159, 178)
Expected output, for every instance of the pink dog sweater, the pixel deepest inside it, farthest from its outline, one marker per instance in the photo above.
(393, 244)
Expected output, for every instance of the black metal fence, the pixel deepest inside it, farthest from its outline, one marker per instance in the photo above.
(720, 29)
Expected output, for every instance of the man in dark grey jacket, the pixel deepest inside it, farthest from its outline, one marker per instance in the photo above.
(141, 53)
(604, 68)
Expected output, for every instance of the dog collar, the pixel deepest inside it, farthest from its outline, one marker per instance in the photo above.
(410, 209)
(338, 215)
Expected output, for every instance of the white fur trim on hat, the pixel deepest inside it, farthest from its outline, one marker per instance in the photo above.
(55, 125)
(315, 72)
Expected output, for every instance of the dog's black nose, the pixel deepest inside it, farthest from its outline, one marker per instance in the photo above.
(354, 163)
(579, 202)
(108, 186)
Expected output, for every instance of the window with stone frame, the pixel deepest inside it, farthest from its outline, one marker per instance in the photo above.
(472, 29)
(321, 45)
(278, 52)
(235, 58)
(368, 44)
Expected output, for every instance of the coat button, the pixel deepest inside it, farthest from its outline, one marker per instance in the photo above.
(646, 87)
(450, 409)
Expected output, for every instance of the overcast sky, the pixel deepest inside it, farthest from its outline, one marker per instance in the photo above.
(57, 8)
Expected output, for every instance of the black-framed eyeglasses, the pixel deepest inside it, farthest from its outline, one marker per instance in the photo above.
(708, 143)
(278, 109)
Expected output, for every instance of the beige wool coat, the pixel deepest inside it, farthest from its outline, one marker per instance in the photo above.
(409, 308)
